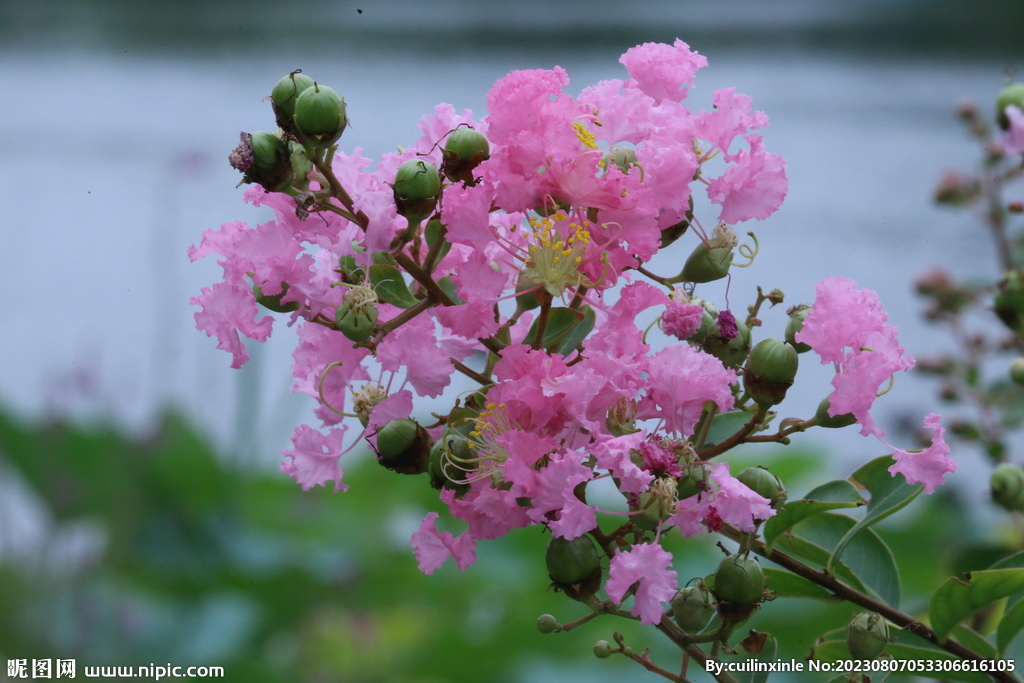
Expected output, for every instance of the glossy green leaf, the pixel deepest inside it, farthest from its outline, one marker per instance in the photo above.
(974, 640)
(390, 286)
(830, 496)
(919, 658)
(1009, 626)
(1015, 561)
(957, 599)
(447, 286)
(888, 495)
(768, 653)
(434, 231)
(786, 584)
(725, 425)
(560, 321)
(867, 557)
(579, 333)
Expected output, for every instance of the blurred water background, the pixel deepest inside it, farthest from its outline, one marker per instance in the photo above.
(117, 118)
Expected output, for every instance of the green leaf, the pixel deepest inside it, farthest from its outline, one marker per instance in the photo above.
(868, 559)
(725, 425)
(888, 495)
(786, 584)
(447, 286)
(433, 231)
(832, 651)
(560, 321)
(1015, 561)
(975, 641)
(768, 653)
(1009, 626)
(578, 333)
(390, 286)
(830, 496)
(957, 599)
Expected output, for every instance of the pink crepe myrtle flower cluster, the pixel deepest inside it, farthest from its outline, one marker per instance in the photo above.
(575, 196)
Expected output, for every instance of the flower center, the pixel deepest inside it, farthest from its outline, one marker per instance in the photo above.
(552, 260)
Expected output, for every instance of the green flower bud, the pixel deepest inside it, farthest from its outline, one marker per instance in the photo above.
(797, 316)
(264, 159)
(547, 624)
(770, 371)
(282, 98)
(693, 607)
(732, 352)
(823, 419)
(417, 187)
(1009, 300)
(1011, 94)
(573, 565)
(693, 480)
(1007, 483)
(320, 114)
(739, 580)
(403, 446)
(707, 264)
(765, 484)
(1017, 371)
(464, 150)
(866, 636)
(356, 321)
(273, 303)
(602, 649)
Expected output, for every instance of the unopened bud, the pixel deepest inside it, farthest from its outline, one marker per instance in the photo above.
(464, 150)
(693, 607)
(602, 649)
(797, 316)
(320, 114)
(731, 351)
(546, 623)
(416, 189)
(286, 91)
(866, 636)
(770, 371)
(739, 580)
(1011, 94)
(765, 484)
(403, 446)
(1007, 486)
(707, 263)
(574, 566)
(265, 159)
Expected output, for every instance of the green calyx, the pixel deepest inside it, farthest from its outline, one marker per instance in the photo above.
(765, 484)
(356, 319)
(707, 264)
(416, 189)
(320, 114)
(273, 303)
(1011, 94)
(403, 446)
(464, 150)
(574, 566)
(770, 371)
(732, 352)
(693, 607)
(797, 316)
(739, 580)
(284, 95)
(867, 635)
(1007, 486)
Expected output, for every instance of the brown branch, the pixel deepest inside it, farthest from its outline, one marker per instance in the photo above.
(737, 438)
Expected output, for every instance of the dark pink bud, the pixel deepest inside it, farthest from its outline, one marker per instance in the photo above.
(727, 325)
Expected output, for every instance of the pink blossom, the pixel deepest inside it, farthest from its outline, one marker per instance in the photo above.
(727, 327)
(929, 466)
(227, 310)
(681, 320)
(613, 454)
(752, 188)
(736, 503)
(648, 564)
(729, 117)
(315, 458)
(434, 547)
(414, 347)
(681, 380)
(661, 71)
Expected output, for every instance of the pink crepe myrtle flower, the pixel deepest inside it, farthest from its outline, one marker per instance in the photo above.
(753, 187)
(928, 466)
(314, 460)
(729, 500)
(661, 71)
(649, 564)
(681, 320)
(681, 379)
(434, 547)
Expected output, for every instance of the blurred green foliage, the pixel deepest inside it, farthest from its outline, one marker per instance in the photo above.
(198, 563)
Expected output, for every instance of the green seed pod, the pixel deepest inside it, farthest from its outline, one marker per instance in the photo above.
(823, 419)
(765, 484)
(1007, 486)
(732, 352)
(707, 264)
(770, 371)
(866, 636)
(797, 316)
(602, 649)
(403, 446)
(1009, 300)
(546, 623)
(1011, 94)
(693, 607)
(739, 580)
(464, 150)
(417, 187)
(694, 480)
(320, 114)
(282, 98)
(356, 322)
(273, 303)
(1017, 371)
(263, 158)
(571, 562)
